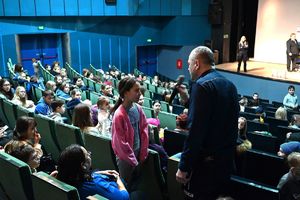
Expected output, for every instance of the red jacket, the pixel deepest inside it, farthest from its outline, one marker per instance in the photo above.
(123, 136)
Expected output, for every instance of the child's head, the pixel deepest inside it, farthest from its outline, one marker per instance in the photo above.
(156, 106)
(58, 106)
(76, 94)
(103, 103)
(294, 163)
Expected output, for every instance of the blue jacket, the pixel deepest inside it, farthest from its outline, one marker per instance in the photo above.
(62, 94)
(43, 108)
(213, 120)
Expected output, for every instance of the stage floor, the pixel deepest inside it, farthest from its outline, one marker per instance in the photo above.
(264, 70)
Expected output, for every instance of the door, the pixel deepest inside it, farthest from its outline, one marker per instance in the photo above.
(42, 47)
(147, 59)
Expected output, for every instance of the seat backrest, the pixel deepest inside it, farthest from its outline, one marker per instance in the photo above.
(67, 134)
(97, 197)
(174, 188)
(15, 178)
(148, 112)
(2, 114)
(257, 126)
(47, 187)
(45, 127)
(264, 168)
(94, 97)
(248, 116)
(147, 102)
(165, 107)
(102, 154)
(173, 141)
(167, 120)
(264, 143)
(10, 111)
(152, 182)
(246, 189)
(153, 134)
(177, 109)
(21, 111)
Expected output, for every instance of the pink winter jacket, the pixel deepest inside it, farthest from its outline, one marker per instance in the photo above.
(123, 136)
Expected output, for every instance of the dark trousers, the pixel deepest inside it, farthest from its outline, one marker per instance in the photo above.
(242, 57)
(290, 59)
(209, 180)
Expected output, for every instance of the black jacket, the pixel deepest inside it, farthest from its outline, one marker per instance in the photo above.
(292, 47)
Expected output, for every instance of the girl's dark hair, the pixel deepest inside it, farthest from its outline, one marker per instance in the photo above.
(9, 95)
(22, 125)
(124, 86)
(70, 168)
(82, 116)
(63, 85)
(155, 101)
(18, 68)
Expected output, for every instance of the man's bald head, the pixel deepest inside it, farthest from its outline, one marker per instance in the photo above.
(204, 54)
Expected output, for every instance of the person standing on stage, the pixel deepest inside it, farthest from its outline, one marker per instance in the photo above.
(207, 158)
(242, 53)
(292, 51)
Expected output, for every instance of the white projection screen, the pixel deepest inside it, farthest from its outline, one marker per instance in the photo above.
(276, 20)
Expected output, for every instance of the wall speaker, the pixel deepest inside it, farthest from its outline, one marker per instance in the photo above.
(215, 13)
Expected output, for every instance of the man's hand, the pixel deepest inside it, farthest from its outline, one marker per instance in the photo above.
(181, 177)
(290, 54)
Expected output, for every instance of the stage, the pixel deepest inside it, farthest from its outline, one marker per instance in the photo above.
(264, 70)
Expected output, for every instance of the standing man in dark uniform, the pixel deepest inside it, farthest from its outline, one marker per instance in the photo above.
(207, 158)
(292, 52)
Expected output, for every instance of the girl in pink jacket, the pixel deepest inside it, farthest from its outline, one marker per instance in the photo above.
(129, 131)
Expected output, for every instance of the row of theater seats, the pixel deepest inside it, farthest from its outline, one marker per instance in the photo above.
(17, 182)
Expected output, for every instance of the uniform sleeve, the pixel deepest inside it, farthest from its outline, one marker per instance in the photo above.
(200, 111)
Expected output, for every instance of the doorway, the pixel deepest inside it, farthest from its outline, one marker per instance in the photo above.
(147, 59)
(43, 47)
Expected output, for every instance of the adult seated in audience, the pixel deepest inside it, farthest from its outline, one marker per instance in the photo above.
(104, 118)
(74, 168)
(243, 144)
(64, 76)
(78, 82)
(82, 119)
(156, 110)
(51, 85)
(75, 99)
(6, 92)
(58, 108)
(44, 104)
(20, 98)
(20, 75)
(25, 132)
(58, 80)
(55, 69)
(295, 122)
(289, 184)
(288, 148)
(243, 103)
(64, 91)
(34, 82)
(254, 102)
(106, 90)
(281, 113)
(156, 82)
(290, 100)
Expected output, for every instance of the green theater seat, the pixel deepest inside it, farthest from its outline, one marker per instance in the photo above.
(103, 156)
(15, 178)
(10, 111)
(47, 187)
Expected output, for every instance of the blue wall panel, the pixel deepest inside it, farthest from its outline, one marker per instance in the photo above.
(186, 7)
(200, 7)
(114, 50)
(1, 8)
(95, 61)
(166, 7)
(85, 7)
(110, 10)
(85, 53)
(27, 7)
(176, 7)
(133, 7)
(105, 52)
(154, 7)
(97, 7)
(71, 7)
(42, 7)
(57, 8)
(124, 54)
(143, 7)
(11, 8)
(122, 8)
